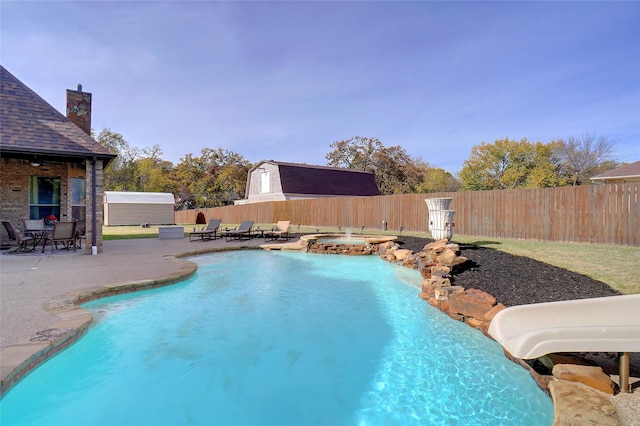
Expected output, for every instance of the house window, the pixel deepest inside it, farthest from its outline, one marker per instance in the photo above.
(44, 197)
(78, 199)
(264, 181)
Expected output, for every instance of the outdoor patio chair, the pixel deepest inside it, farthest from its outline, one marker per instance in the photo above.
(208, 233)
(242, 231)
(33, 225)
(81, 233)
(64, 233)
(280, 231)
(21, 239)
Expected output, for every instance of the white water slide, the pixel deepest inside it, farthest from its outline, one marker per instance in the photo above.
(603, 324)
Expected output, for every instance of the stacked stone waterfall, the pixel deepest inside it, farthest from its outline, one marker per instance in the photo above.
(440, 218)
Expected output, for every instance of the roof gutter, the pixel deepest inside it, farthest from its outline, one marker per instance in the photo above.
(25, 152)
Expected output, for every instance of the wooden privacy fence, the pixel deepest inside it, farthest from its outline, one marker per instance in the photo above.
(605, 214)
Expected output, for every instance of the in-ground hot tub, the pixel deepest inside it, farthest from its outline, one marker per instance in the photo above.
(344, 244)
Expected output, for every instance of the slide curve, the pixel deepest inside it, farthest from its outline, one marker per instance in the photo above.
(603, 324)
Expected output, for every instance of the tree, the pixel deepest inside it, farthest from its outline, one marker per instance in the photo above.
(395, 171)
(508, 164)
(120, 174)
(584, 157)
(135, 169)
(436, 179)
(154, 175)
(216, 178)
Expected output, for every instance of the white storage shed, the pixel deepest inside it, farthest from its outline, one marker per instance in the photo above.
(137, 208)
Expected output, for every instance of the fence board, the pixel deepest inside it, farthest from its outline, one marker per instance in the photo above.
(608, 214)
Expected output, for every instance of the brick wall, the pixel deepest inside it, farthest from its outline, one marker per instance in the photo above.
(14, 192)
(99, 215)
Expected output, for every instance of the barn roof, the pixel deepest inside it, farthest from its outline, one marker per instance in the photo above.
(323, 180)
(119, 197)
(29, 125)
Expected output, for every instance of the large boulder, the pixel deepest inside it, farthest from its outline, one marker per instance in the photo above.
(576, 404)
(436, 246)
(397, 255)
(472, 303)
(589, 375)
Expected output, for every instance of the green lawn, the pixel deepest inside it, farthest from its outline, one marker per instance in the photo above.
(618, 266)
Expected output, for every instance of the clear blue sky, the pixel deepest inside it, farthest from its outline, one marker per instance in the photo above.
(283, 80)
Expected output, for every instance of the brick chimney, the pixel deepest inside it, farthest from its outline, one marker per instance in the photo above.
(79, 108)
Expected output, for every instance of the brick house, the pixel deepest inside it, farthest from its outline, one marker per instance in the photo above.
(278, 181)
(49, 165)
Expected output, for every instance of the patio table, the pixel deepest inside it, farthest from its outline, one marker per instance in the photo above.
(39, 234)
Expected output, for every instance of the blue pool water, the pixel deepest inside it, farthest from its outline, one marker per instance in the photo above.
(276, 338)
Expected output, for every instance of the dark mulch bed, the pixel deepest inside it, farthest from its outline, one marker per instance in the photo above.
(516, 280)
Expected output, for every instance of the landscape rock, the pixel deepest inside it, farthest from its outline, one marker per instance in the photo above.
(429, 285)
(435, 246)
(454, 315)
(576, 404)
(402, 254)
(386, 247)
(440, 270)
(454, 247)
(493, 311)
(472, 303)
(477, 323)
(441, 305)
(447, 257)
(589, 375)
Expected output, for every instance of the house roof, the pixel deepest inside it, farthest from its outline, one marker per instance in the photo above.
(628, 171)
(30, 126)
(323, 180)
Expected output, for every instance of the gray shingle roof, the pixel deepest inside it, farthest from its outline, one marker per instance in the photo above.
(29, 125)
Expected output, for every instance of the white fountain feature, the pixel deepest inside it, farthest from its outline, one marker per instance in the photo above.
(440, 221)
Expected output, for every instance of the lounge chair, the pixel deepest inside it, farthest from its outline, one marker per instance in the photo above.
(63, 232)
(244, 230)
(21, 239)
(208, 233)
(280, 231)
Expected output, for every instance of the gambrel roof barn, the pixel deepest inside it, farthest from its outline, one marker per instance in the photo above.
(276, 181)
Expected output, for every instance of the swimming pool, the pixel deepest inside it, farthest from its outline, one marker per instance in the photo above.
(279, 338)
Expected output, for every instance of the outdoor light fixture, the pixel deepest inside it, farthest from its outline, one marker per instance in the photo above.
(35, 163)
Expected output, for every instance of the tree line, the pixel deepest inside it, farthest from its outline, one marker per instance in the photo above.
(218, 177)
